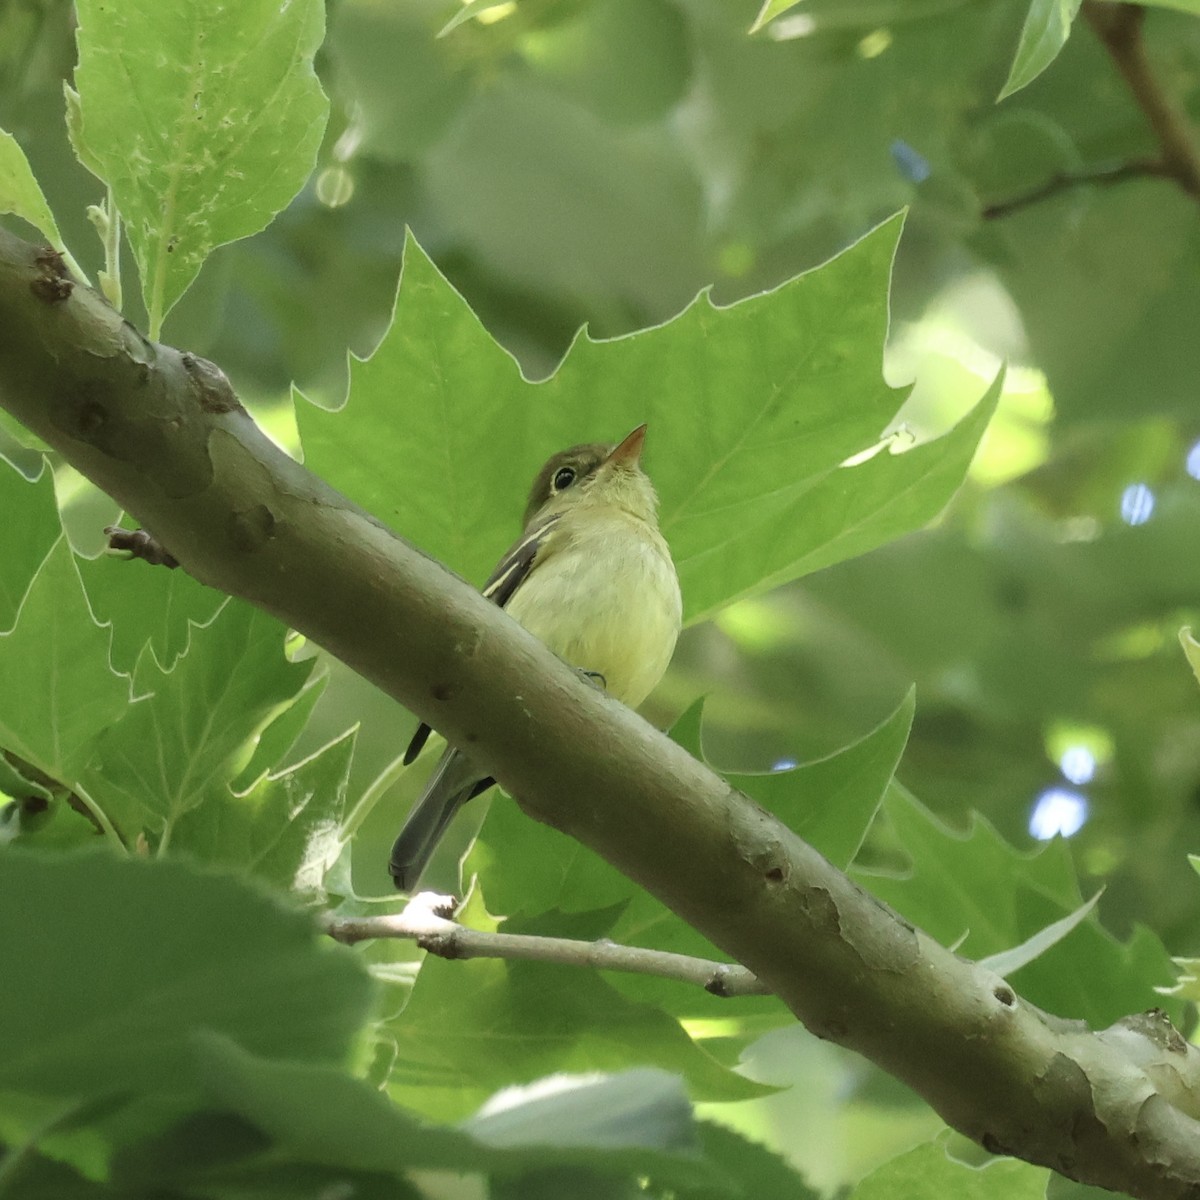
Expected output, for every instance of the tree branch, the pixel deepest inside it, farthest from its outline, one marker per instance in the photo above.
(1119, 27)
(423, 921)
(163, 433)
(1066, 180)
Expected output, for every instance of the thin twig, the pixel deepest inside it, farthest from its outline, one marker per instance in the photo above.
(424, 921)
(1064, 181)
(1119, 27)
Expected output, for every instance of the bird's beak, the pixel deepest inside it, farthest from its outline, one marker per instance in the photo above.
(627, 452)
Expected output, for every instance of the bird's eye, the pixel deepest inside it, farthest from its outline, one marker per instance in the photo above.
(563, 478)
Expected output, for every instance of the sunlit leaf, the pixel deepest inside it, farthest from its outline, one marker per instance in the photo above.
(752, 410)
(1008, 961)
(205, 119)
(770, 10)
(1191, 649)
(1047, 26)
(20, 193)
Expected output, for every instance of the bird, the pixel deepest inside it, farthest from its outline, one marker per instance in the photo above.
(592, 577)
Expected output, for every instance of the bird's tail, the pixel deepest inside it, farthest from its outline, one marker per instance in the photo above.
(453, 782)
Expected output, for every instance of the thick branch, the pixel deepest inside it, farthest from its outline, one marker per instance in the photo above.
(437, 934)
(163, 434)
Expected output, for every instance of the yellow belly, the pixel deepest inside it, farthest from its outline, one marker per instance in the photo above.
(607, 599)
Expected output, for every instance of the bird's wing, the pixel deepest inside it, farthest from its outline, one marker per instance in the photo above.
(511, 571)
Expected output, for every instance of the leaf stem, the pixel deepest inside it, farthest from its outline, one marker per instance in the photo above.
(106, 220)
(110, 280)
(367, 801)
(100, 817)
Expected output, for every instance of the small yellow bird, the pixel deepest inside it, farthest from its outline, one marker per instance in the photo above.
(591, 577)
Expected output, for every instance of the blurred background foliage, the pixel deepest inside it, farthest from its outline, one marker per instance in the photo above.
(599, 162)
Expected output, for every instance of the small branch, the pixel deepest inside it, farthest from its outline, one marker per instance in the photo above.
(139, 543)
(424, 922)
(1119, 27)
(1064, 181)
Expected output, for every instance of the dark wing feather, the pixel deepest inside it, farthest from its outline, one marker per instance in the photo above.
(418, 743)
(510, 573)
(512, 570)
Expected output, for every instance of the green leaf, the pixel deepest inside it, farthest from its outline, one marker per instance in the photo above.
(1191, 650)
(527, 867)
(58, 690)
(286, 829)
(31, 528)
(644, 1108)
(1045, 32)
(224, 1157)
(846, 513)
(752, 408)
(40, 824)
(17, 785)
(19, 191)
(761, 1173)
(1008, 961)
(623, 62)
(280, 736)
(205, 119)
(75, 132)
(769, 11)
(196, 951)
(929, 1171)
(146, 606)
(686, 731)
(469, 11)
(472, 1027)
(974, 891)
(1059, 1187)
(42, 1178)
(636, 1121)
(197, 729)
(831, 803)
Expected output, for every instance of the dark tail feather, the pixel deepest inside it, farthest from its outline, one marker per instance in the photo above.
(453, 783)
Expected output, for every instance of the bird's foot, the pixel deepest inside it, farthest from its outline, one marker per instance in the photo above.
(595, 679)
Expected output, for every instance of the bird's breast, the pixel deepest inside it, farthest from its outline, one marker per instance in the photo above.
(606, 599)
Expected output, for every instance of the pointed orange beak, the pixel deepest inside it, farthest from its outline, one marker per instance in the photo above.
(627, 452)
